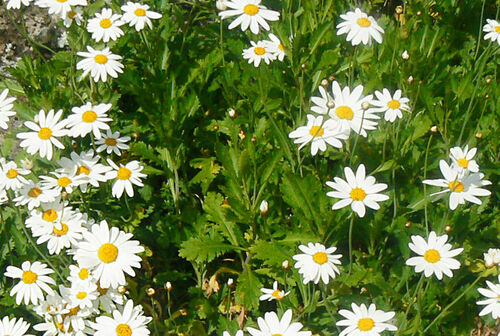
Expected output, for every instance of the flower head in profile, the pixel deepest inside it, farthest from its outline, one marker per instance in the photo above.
(13, 327)
(127, 321)
(276, 47)
(272, 294)
(75, 15)
(250, 14)
(105, 26)
(260, 51)
(462, 159)
(357, 191)
(34, 279)
(272, 325)
(138, 15)
(461, 187)
(492, 30)
(492, 301)
(492, 258)
(363, 321)
(6, 106)
(435, 255)
(126, 176)
(392, 105)
(360, 28)
(99, 63)
(317, 263)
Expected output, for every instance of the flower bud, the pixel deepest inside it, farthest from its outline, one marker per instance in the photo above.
(230, 282)
(221, 5)
(264, 207)
(150, 291)
(434, 129)
(285, 264)
(330, 104)
(408, 224)
(324, 82)
(122, 289)
(365, 106)
(232, 113)
(405, 55)
(27, 164)
(488, 80)
(242, 135)
(410, 80)
(479, 135)
(168, 286)
(448, 229)
(399, 9)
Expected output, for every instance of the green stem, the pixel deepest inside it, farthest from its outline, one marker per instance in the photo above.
(351, 224)
(410, 304)
(425, 185)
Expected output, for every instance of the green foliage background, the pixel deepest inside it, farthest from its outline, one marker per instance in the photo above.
(198, 213)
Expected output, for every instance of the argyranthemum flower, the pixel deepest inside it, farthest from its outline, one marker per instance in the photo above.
(112, 142)
(257, 52)
(391, 105)
(77, 274)
(13, 327)
(492, 30)
(461, 188)
(126, 322)
(272, 294)
(492, 258)
(358, 191)
(317, 263)
(6, 106)
(87, 168)
(271, 325)
(58, 7)
(82, 294)
(16, 4)
(436, 256)
(108, 253)
(360, 28)
(319, 133)
(251, 14)
(33, 194)
(88, 119)
(63, 180)
(11, 176)
(125, 176)
(362, 321)
(34, 279)
(345, 107)
(44, 134)
(136, 14)
(276, 47)
(462, 159)
(100, 64)
(75, 15)
(492, 301)
(105, 26)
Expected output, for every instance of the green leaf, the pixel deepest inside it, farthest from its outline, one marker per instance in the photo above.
(248, 289)
(205, 249)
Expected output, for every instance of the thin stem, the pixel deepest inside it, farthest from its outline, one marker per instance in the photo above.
(412, 300)
(351, 224)
(325, 301)
(154, 316)
(480, 30)
(425, 185)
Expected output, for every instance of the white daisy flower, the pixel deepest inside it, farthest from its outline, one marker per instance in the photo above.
(34, 279)
(360, 28)
(492, 301)
(112, 142)
(64, 180)
(109, 298)
(11, 176)
(492, 30)
(461, 188)
(272, 294)
(462, 159)
(108, 253)
(362, 321)
(3, 196)
(125, 322)
(105, 26)
(33, 194)
(75, 320)
(87, 168)
(319, 133)
(345, 107)
(317, 263)
(16, 4)
(257, 52)
(82, 294)
(77, 274)
(125, 176)
(276, 47)
(391, 105)
(49, 216)
(13, 327)
(100, 64)
(27, 164)
(74, 15)
(6, 105)
(272, 325)
(138, 15)
(436, 256)
(492, 258)
(88, 119)
(52, 306)
(44, 134)
(238, 333)
(358, 191)
(251, 14)
(58, 7)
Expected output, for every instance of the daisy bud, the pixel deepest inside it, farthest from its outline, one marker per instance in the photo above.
(365, 106)
(419, 13)
(488, 80)
(434, 129)
(408, 224)
(324, 82)
(183, 312)
(330, 104)
(405, 55)
(410, 80)
(216, 127)
(487, 96)
(448, 229)
(27, 164)
(264, 207)
(122, 289)
(230, 282)
(168, 286)
(331, 78)
(479, 135)
(488, 264)
(399, 9)
(150, 291)
(285, 265)
(232, 113)
(64, 194)
(303, 66)
(242, 135)
(221, 5)
(253, 139)
(363, 290)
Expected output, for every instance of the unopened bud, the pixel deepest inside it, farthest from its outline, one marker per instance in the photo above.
(410, 80)
(419, 13)
(122, 289)
(264, 207)
(434, 129)
(183, 312)
(303, 66)
(479, 135)
(27, 164)
(324, 82)
(330, 104)
(408, 224)
(168, 286)
(489, 265)
(150, 291)
(331, 78)
(253, 139)
(448, 229)
(230, 282)
(365, 105)
(285, 264)
(242, 135)
(232, 113)
(405, 55)
(488, 80)
(221, 5)
(399, 9)
(216, 127)
(363, 290)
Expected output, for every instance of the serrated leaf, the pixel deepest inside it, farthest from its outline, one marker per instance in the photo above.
(203, 250)
(248, 289)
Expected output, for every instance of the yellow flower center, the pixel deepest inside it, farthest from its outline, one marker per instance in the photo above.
(358, 194)
(456, 186)
(64, 181)
(394, 104)
(101, 59)
(123, 330)
(344, 112)
(44, 133)
(277, 335)
(49, 215)
(60, 232)
(83, 170)
(281, 47)
(89, 116)
(320, 258)
(35, 192)
(29, 277)
(110, 141)
(12, 173)
(366, 324)
(463, 162)
(124, 173)
(364, 22)
(105, 23)
(140, 12)
(497, 29)
(83, 274)
(277, 294)
(432, 256)
(81, 295)
(251, 9)
(107, 253)
(259, 51)
(317, 131)
(71, 14)
(62, 1)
